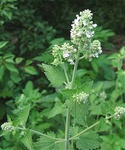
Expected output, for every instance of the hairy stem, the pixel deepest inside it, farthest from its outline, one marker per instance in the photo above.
(39, 133)
(68, 108)
(66, 75)
(93, 125)
(74, 70)
(67, 129)
(74, 137)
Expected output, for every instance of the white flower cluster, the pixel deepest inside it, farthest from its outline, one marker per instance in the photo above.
(94, 50)
(81, 35)
(66, 52)
(119, 111)
(82, 27)
(81, 97)
(7, 126)
(82, 32)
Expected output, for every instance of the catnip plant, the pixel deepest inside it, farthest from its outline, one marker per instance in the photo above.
(81, 129)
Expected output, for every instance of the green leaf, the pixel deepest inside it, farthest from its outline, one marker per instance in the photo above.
(31, 70)
(68, 93)
(121, 77)
(11, 67)
(45, 143)
(27, 140)
(2, 71)
(15, 77)
(19, 60)
(57, 109)
(88, 141)
(2, 44)
(103, 125)
(54, 74)
(79, 113)
(8, 14)
(28, 88)
(23, 115)
(95, 66)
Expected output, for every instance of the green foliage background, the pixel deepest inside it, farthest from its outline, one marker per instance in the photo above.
(28, 30)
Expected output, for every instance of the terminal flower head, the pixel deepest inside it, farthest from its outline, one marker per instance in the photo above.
(119, 111)
(82, 33)
(7, 126)
(81, 97)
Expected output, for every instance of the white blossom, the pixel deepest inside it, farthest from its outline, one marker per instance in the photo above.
(81, 97)
(119, 111)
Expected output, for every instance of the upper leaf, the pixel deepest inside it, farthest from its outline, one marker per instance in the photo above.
(54, 74)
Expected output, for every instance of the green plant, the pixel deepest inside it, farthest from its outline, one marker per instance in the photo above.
(80, 113)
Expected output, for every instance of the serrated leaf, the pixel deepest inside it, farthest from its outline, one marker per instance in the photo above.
(27, 141)
(88, 141)
(103, 125)
(54, 74)
(31, 70)
(45, 143)
(23, 115)
(86, 87)
(79, 113)
(68, 93)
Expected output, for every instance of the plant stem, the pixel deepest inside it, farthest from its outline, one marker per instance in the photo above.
(68, 108)
(67, 129)
(84, 130)
(39, 133)
(107, 118)
(66, 75)
(74, 70)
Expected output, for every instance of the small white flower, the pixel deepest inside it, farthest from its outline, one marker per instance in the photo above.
(71, 61)
(65, 54)
(94, 25)
(81, 97)
(119, 111)
(7, 126)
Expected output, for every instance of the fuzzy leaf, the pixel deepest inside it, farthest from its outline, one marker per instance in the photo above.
(88, 141)
(27, 141)
(86, 87)
(68, 93)
(79, 113)
(45, 143)
(23, 114)
(54, 74)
